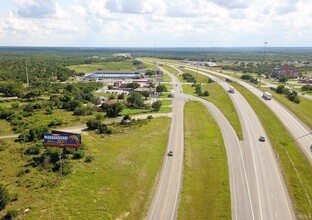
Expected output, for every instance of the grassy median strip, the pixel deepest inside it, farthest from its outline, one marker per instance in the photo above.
(205, 190)
(170, 69)
(290, 157)
(119, 183)
(220, 98)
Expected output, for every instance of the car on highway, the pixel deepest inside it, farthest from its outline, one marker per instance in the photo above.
(170, 153)
(262, 139)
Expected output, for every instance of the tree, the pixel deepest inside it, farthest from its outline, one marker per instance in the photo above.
(246, 77)
(115, 109)
(93, 123)
(161, 88)
(121, 96)
(33, 93)
(206, 93)
(283, 79)
(74, 104)
(135, 100)
(280, 89)
(104, 107)
(146, 94)
(102, 128)
(4, 197)
(156, 105)
(133, 85)
(198, 89)
(110, 86)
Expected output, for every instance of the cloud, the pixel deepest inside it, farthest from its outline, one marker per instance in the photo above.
(135, 6)
(37, 9)
(166, 22)
(231, 4)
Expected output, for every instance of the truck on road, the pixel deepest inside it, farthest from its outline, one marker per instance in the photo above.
(267, 95)
(231, 89)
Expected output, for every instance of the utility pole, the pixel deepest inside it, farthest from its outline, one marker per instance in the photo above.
(155, 63)
(265, 43)
(197, 65)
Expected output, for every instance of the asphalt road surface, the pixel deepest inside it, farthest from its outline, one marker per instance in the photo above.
(298, 130)
(269, 197)
(164, 204)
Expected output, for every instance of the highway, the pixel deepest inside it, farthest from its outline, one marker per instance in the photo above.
(165, 201)
(298, 130)
(257, 187)
(270, 199)
(164, 204)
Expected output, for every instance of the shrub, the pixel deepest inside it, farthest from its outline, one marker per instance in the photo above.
(93, 123)
(246, 77)
(4, 197)
(64, 166)
(15, 105)
(206, 93)
(109, 130)
(297, 100)
(89, 159)
(55, 122)
(78, 154)
(11, 214)
(48, 110)
(150, 117)
(156, 105)
(33, 150)
(280, 89)
(23, 171)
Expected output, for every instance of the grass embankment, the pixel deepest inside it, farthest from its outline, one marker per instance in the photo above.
(120, 182)
(303, 110)
(170, 69)
(205, 190)
(166, 78)
(89, 68)
(282, 142)
(221, 99)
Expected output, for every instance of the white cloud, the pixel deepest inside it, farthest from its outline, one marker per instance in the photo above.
(169, 22)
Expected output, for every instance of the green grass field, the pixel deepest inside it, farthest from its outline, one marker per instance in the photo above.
(205, 190)
(282, 142)
(166, 78)
(220, 98)
(120, 181)
(90, 68)
(170, 69)
(166, 102)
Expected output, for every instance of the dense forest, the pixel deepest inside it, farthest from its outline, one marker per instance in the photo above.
(52, 63)
(46, 63)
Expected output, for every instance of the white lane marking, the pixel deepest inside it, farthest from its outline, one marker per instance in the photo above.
(271, 195)
(275, 215)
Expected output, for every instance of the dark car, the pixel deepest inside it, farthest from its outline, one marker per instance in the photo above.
(262, 139)
(170, 153)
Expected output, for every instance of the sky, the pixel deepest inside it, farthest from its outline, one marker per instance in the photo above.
(156, 23)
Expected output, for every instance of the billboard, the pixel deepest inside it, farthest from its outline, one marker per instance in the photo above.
(62, 140)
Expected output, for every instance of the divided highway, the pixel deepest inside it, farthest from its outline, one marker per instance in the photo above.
(270, 199)
(299, 131)
(257, 187)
